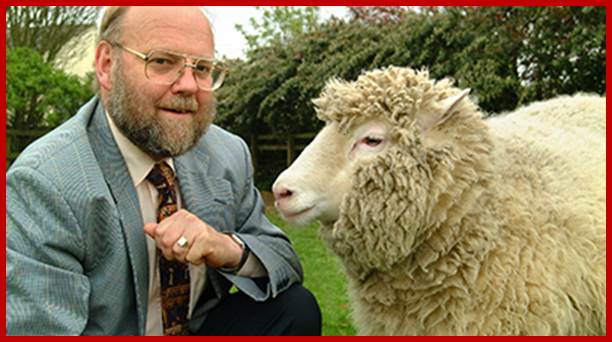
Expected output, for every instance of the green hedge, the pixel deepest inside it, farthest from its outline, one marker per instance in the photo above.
(508, 56)
(38, 95)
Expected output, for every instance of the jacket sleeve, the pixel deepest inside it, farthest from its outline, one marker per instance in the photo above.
(266, 241)
(46, 290)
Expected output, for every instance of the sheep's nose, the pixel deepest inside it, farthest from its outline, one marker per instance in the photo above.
(282, 193)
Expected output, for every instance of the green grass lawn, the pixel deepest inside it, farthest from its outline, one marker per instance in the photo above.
(323, 276)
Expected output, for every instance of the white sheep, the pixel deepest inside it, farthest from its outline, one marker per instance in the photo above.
(448, 224)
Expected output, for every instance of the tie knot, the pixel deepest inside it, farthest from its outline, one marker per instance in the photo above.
(161, 176)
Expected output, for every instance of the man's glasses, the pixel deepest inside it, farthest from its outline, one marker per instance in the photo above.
(166, 67)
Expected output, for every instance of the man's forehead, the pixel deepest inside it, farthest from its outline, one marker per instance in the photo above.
(155, 28)
(138, 15)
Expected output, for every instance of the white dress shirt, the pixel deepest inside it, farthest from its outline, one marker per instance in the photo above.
(139, 165)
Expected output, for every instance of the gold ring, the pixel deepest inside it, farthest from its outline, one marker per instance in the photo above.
(182, 242)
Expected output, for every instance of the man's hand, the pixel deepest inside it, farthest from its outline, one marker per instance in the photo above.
(205, 244)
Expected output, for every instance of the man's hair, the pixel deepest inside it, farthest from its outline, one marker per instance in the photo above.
(110, 25)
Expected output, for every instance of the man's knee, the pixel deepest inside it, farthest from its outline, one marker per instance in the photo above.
(301, 305)
(293, 312)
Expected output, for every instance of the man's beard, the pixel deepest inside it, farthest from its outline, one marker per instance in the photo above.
(156, 135)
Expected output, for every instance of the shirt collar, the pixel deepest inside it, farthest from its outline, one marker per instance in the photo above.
(139, 163)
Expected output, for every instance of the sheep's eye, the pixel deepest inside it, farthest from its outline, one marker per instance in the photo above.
(372, 142)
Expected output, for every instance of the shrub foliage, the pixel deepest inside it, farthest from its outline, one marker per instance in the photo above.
(508, 56)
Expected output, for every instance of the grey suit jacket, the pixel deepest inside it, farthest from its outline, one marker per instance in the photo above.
(76, 257)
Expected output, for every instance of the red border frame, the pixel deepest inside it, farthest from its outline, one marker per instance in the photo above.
(236, 3)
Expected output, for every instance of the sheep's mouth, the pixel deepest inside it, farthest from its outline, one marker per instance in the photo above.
(293, 216)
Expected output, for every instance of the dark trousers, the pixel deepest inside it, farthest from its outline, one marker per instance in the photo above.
(295, 311)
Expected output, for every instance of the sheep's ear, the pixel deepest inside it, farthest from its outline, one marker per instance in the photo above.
(449, 104)
(445, 111)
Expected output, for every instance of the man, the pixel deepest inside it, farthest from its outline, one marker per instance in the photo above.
(137, 216)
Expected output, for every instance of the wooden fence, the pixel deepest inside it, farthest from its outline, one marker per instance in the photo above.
(292, 144)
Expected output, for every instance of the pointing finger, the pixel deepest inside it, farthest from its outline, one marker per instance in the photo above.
(150, 228)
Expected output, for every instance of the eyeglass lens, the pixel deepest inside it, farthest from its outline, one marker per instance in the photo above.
(165, 67)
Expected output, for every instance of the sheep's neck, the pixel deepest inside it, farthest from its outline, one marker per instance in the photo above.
(440, 270)
(455, 243)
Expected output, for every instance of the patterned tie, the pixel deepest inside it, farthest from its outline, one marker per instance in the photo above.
(174, 275)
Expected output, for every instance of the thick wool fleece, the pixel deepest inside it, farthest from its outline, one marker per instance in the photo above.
(479, 227)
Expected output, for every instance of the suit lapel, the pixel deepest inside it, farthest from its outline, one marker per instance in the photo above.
(199, 191)
(193, 182)
(122, 189)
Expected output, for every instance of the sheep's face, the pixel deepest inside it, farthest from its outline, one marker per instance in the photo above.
(315, 184)
(393, 155)
(365, 120)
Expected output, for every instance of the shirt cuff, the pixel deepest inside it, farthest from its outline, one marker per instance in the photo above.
(252, 268)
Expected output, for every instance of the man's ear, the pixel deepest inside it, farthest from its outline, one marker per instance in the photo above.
(104, 64)
(444, 112)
